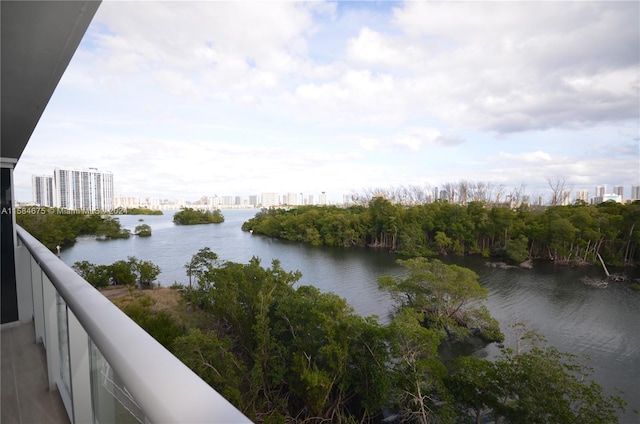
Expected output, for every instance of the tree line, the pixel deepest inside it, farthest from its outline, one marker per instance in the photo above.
(132, 272)
(58, 227)
(286, 353)
(574, 234)
(190, 216)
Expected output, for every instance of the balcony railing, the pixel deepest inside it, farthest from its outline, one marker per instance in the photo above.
(106, 368)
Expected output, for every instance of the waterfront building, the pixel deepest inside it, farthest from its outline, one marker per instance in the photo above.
(293, 199)
(83, 189)
(126, 202)
(270, 199)
(42, 186)
(635, 192)
(600, 190)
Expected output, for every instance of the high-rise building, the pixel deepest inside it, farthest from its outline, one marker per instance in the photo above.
(565, 199)
(600, 190)
(619, 190)
(293, 199)
(635, 192)
(84, 189)
(126, 202)
(42, 186)
(322, 198)
(270, 199)
(583, 195)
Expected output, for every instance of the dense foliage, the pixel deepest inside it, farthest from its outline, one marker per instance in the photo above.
(566, 234)
(189, 216)
(143, 230)
(131, 272)
(293, 354)
(531, 383)
(138, 211)
(445, 297)
(60, 227)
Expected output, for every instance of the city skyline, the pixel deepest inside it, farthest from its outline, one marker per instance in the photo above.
(341, 97)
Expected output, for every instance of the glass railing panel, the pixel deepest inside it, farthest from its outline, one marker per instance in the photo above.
(63, 342)
(112, 402)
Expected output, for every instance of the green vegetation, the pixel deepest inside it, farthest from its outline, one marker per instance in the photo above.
(143, 230)
(565, 234)
(189, 216)
(530, 384)
(293, 354)
(60, 227)
(129, 273)
(138, 211)
(445, 297)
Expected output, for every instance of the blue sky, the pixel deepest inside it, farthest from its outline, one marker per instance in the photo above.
(182, 99)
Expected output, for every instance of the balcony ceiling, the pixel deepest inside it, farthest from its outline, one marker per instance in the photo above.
(38, 40)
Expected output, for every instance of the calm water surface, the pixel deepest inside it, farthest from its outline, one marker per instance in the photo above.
(604, 324)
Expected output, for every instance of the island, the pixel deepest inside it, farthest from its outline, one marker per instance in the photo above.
(189, 216)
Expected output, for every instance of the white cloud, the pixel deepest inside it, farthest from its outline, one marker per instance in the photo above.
(247, 94)
(529, 157)
(373, 48)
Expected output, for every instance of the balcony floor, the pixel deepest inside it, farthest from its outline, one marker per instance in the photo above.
(25, 394)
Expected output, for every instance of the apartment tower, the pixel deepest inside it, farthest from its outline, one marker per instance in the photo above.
(42, 186)
(83, 189)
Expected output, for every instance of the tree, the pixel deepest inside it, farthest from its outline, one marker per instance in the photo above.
(122, 272)
(143, 230)
(96, 275)
(213, 360)
(446, 296)
(518, 249)
(147, 272)
(531, 383)
(200, 264)
(189, 216)
(110, 228)
(417, 370)
(557, 187)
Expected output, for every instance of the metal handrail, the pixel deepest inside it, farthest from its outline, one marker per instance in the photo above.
(166, 389)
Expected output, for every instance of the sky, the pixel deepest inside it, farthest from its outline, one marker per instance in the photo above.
(182, 99)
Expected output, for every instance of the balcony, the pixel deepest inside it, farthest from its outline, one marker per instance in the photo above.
(82, 360)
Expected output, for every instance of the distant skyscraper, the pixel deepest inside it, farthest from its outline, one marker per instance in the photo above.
(293, 199)
(619, 190)
(42, 186)
(583, 195)
(565, 198)
(270, 199)
(600, 190)
(126, 202)
(322, 199)
(635, 192)
(84, 189)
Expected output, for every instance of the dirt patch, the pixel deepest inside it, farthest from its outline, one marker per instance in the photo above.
(115, 291)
